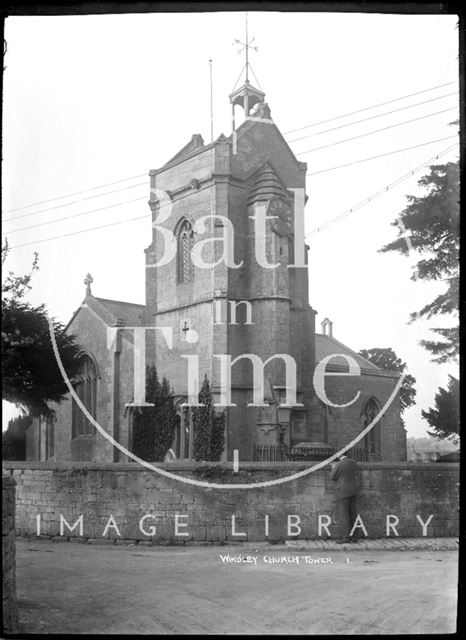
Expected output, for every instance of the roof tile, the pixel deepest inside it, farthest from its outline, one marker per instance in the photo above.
(327, 345)
(130, 312)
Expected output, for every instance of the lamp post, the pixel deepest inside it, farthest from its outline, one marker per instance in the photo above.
(283, 415)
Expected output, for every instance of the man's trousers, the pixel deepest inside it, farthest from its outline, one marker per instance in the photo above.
(346, 508)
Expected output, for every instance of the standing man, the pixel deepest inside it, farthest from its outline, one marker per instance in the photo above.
(344, 474)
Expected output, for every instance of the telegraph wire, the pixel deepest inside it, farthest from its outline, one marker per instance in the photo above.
(68, 204)
(380, 155)
(144, 184)
(188, 171)
(141, 175)
(368, 133)
(377, 194)
(313, 232)
(75, 193)
(80, 214)
(380, 104)
(75, 233)
(76, 215)
(379, 115)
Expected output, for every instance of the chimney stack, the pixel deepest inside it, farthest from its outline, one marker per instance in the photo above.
(327, 325)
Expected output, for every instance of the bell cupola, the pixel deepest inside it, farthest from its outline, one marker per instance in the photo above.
(246, 96)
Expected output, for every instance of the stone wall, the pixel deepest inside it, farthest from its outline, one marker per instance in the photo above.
(92, 332)
(10, 612)
(112, 500)
(344, 424)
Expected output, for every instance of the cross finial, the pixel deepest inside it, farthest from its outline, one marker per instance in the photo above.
(245, 47)
(88, 280)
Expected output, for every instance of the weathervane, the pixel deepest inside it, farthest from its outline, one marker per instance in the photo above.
(246, 96)
(246, 46)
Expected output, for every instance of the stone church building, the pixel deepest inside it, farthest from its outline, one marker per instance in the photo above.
(201, 194)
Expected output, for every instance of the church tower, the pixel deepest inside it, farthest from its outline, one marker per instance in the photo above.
(247, 309)
(227, 298)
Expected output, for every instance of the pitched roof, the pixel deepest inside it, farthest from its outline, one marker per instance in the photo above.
(266, 185)
(251, 122)
(195, 144)
(129, 312)
(327, 345)
(112, 311)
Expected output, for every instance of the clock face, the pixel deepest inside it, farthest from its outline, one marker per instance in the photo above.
(281, 225)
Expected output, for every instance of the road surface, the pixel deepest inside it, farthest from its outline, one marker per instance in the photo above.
(81, 588)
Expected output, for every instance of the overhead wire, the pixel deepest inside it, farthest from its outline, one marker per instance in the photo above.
(75, 193)
(378, 115)
(108, 184)
(301, 153)
(369, 133)
(83, 213)
(80, 231)
(378, 193)
(75, 233)
(374, 106)
(76, 215)
(68, 204)
(313, 232)
(179, 173)
(380, 155)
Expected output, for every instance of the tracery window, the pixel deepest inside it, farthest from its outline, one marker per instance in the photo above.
(185, 242)
(372, 439)
(86, 389)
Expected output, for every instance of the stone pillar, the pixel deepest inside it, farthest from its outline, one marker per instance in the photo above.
(10, 610)
(114, 389)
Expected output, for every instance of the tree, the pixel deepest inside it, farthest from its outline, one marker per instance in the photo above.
(445, 417)
(166, 421)
(30, 374)
(388, 360)
(208, 427)
(432, 222)
(15, 287)
(154, 427)
(14, 438)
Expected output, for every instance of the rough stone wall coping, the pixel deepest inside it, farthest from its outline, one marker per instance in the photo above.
(193, 466)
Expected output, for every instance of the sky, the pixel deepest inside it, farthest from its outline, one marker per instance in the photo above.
(100, 100)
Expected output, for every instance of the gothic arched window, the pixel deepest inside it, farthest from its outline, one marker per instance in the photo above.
(185, 241)
(86, 389)
(372, 439)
